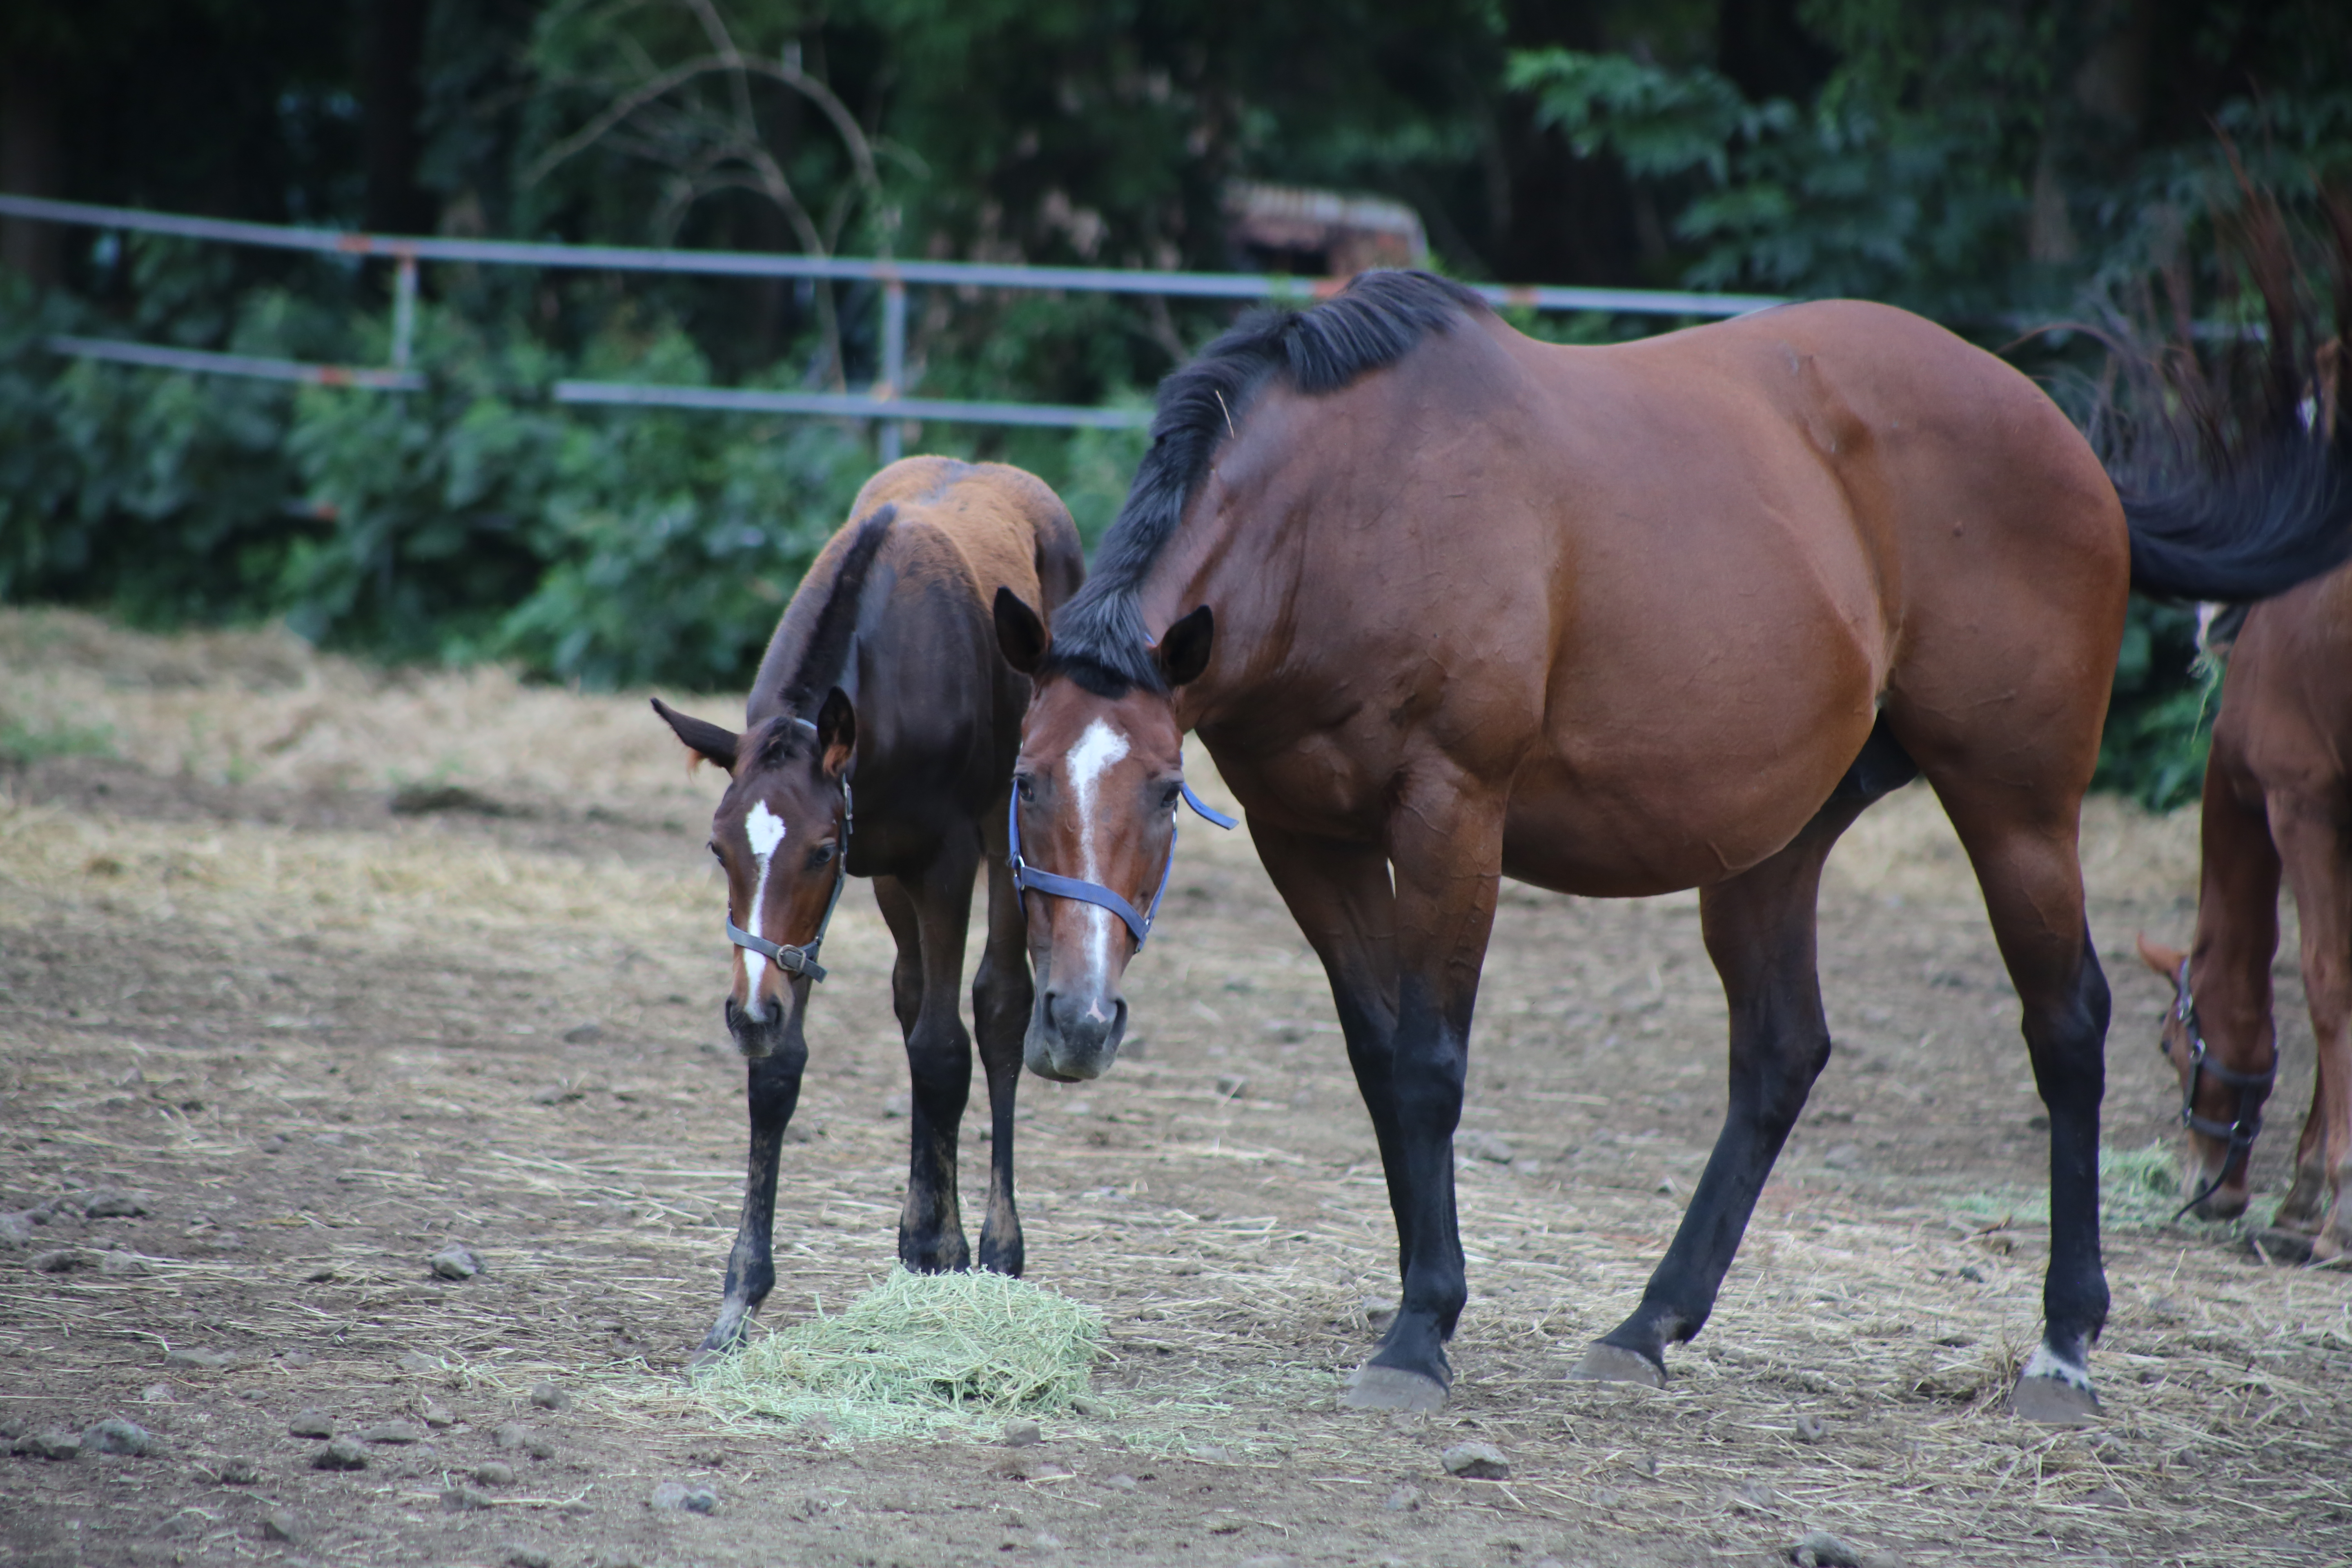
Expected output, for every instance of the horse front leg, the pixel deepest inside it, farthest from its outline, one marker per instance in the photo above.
(1445, 854)
(939, 1065)
(1002, 994)
(2312, 845)
(1759, 930)
(773, 1087)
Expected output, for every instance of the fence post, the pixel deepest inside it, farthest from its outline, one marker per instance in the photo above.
(889, 437)
(404, 310)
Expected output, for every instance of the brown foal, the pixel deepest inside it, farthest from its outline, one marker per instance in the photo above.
(883, 679)
(1448, 605)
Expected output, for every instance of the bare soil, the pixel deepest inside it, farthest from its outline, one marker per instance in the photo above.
(316, 1039)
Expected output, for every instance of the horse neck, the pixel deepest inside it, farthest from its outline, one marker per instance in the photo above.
(2230, 962)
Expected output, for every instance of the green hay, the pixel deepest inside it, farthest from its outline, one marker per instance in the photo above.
(918, 1353)
(2137, 1187)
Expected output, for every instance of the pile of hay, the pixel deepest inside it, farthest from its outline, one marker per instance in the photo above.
(917, 1353)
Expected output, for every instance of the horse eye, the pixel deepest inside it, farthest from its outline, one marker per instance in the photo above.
(1026, 787)
(715, 855)
(1170, 795)
(820, 855)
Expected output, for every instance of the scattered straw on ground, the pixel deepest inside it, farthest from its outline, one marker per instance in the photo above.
(918, 1353)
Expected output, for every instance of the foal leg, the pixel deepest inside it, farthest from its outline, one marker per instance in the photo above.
(2313, 842)
(773, 1087)
(1759, 930)
(938, 1063)
(1002, 994)
(2022, 845)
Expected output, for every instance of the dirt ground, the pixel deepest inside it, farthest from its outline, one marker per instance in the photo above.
(315, 1040)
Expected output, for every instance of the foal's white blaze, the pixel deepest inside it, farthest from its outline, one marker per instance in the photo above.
(1098, 749)
(765, 830)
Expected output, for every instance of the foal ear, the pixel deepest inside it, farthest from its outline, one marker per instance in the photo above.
(2165, 961)
(707, 740)
(836, 732)
(1184, 649)
(1020, 635)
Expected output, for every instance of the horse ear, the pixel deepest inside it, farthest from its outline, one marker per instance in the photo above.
(707, 740)
(1020, 635)
(2165, 961)
(1183, 651)
(836, 732)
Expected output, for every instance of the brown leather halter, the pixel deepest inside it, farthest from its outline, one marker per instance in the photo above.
(2252, 1089)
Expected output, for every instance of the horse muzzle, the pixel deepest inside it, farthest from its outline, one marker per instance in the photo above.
(1074, 1035)
(757, 1036)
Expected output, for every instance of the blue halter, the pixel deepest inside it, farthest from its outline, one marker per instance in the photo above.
(1028, 878)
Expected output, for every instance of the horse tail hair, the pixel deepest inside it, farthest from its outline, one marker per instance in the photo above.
(2234, 470)
(826, 653)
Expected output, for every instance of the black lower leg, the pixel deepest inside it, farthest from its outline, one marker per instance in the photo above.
(773, 1087)
(930, 1227)
(1001, 998)
(2068, 1043)
(1426, 1067)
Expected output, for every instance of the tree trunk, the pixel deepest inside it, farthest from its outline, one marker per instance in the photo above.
(30, 144)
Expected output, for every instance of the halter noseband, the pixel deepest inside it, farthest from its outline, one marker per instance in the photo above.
(801, 960)
(1028, 878)
(2252, 1089)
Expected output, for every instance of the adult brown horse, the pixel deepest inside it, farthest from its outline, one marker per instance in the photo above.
(1614, 621)
(2278, 796)
(884, 671)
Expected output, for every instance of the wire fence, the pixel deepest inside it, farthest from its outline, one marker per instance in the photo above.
(885, 401)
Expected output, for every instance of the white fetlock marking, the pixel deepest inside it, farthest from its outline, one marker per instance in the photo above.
(2047, 1362)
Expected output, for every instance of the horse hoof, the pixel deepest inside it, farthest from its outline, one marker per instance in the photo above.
(1392, 1388)
(2053, 1401)
(1605, 1363)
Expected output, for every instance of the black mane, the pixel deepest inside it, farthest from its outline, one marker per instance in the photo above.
(1099, 637)
(825, 655)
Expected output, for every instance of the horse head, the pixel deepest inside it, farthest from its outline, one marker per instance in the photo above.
(1092, 826)
(2220, 1097)
(780, 834)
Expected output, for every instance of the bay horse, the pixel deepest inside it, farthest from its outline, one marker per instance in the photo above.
(1448, 605)
(883, 676)
(2278, 798)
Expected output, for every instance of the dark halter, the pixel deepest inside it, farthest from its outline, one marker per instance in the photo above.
(801, 960)
(2254, 1087)
(1028, 878)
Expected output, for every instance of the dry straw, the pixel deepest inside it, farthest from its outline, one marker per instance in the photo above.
(919, 1353)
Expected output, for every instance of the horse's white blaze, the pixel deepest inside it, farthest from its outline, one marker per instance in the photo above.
(1098, 749)
(765, 830)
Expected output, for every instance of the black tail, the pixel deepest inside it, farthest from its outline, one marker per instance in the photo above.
(2235, 470)
(2276, 516)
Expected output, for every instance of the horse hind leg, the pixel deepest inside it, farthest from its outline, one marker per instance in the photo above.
(2022, 844)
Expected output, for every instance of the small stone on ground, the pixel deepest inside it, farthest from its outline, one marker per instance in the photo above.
(50, 1444)
(238, 1472)
(1404, 1500)
(1819, 1548)
(396, 1433)
(117, 1436)
(492, 1473)
(281, 1525)
(1021, 1433)
(547, 1397)
(677, 1497)
(455, 1262)
(342, 1454)
(312, 1423)
(1475, 1462)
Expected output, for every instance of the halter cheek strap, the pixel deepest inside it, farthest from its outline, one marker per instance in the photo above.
(2254, 1087)
(1029, 880)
